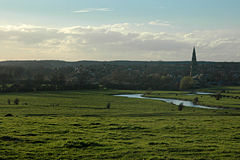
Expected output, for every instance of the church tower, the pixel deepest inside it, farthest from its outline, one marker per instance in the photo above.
(193, 71)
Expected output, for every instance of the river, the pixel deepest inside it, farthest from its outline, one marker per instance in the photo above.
(172, 101)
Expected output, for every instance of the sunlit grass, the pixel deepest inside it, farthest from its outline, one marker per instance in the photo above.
(77, 125)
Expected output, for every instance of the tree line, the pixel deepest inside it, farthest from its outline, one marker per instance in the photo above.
(137, 76)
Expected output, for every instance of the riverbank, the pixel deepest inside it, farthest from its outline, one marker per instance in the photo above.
(226, 102)
(171, 101)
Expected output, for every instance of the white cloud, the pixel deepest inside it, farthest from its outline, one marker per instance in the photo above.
(114, 42)
(93, 10)
(160, 23)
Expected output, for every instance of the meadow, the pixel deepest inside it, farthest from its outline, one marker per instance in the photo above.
(77, 125)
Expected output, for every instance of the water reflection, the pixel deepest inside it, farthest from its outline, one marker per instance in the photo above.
(199, 93)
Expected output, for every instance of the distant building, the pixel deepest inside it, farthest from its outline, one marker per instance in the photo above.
(201, 80)
(194, 65)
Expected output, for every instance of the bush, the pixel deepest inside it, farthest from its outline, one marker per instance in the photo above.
(9, 115)
(108, 105)
(16, 101)
(195, 100)
(187, 83)
(218, 96)
(180, 107)
(9, 101)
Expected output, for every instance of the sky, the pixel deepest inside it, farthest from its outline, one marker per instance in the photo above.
(104, 30)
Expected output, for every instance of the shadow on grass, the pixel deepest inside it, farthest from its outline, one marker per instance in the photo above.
(14, 139)
(81, 144)
(39, 115)
(95, 108)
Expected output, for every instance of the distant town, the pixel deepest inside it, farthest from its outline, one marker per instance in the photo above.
(142, 75)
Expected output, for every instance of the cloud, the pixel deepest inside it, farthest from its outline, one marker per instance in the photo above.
(115, 42)
(160, 23)
(93, 10)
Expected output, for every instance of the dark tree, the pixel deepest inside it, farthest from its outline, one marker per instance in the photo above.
(195, 100)
(218, 96)
(108, 105)
(16, 101)
(180, 107)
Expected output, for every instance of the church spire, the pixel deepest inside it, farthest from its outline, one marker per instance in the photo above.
(194, 63)
(194, 57)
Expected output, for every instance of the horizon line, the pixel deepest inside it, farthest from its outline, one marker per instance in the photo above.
(114, 61)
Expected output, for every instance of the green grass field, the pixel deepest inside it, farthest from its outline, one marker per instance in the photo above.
(77, 125)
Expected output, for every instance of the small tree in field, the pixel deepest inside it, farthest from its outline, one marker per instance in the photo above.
(9, 101)
(218, 96)
(16, 101)
(108, 105)
(195, 100)
(180, 107)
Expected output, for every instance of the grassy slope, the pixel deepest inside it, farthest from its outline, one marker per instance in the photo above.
(74, 125)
